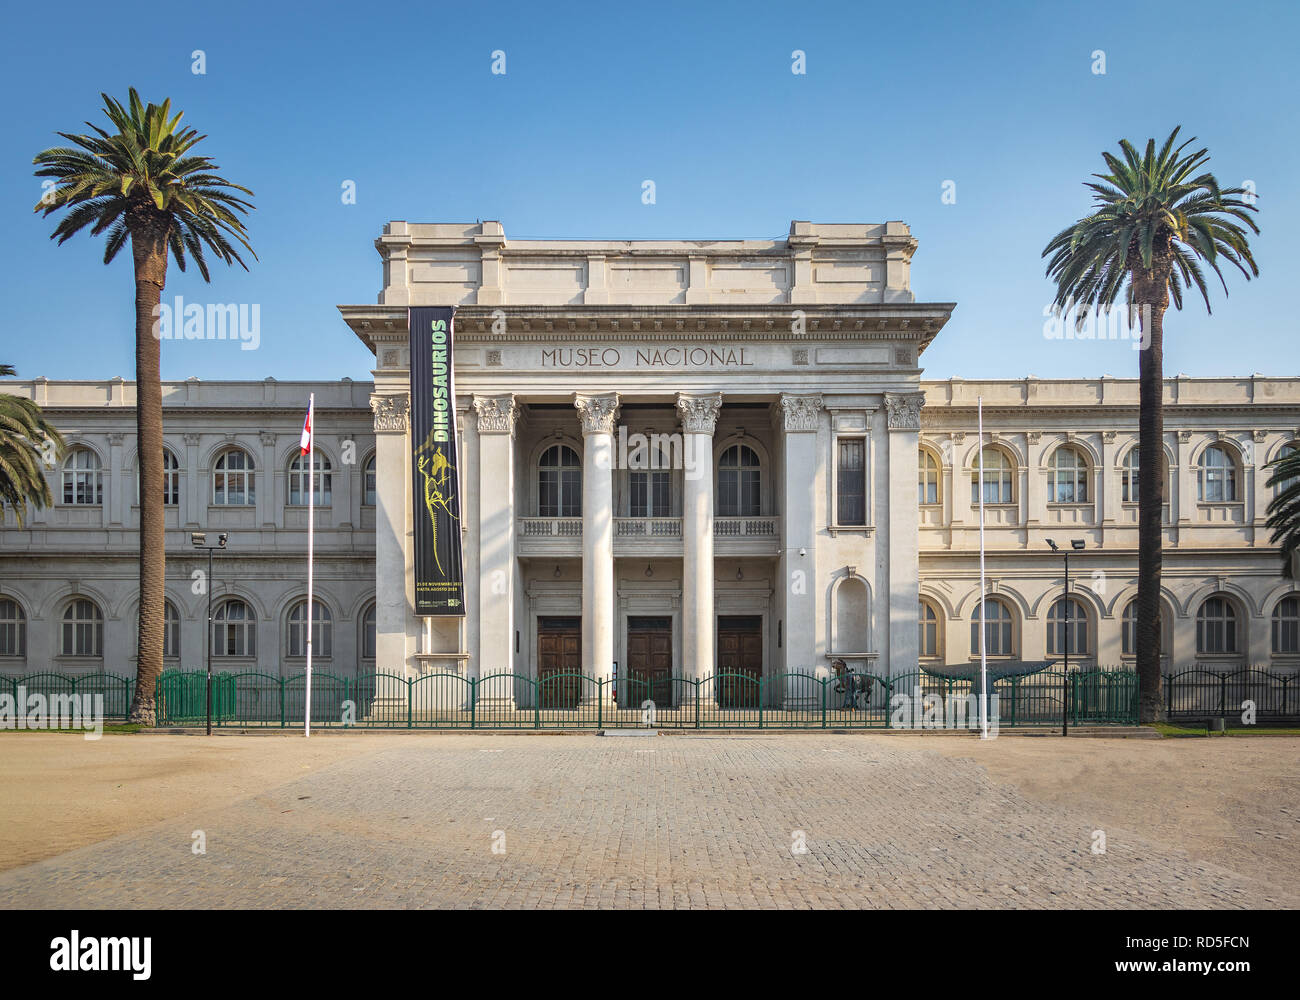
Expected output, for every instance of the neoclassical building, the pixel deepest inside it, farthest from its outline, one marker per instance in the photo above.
(678, 457)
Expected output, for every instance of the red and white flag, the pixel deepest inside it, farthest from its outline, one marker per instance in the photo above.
(306, 433)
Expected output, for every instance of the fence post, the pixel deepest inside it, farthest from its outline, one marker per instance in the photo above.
(408, 702)
(760, 702)
(1015, 694)
(697, 682)
(1285, 682)
(1169, 697)
(822, 682)
(1223, 695)
(281, 680)
(473, 702)
(600, 701)
(537, 703)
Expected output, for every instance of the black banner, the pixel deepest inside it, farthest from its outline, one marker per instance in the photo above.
(435, 473)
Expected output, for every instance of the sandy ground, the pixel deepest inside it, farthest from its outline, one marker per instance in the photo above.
(1234, 802)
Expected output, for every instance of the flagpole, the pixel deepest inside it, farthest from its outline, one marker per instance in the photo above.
(984, 663)
(311, 532)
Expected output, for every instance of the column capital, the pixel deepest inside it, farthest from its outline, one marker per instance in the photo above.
(699, 413)
(497, 414)
(800, 412)
(598, 412)
(390, 411)
(903, 410)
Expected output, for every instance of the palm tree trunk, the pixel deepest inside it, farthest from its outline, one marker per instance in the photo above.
(1153, 299)
(149, 250)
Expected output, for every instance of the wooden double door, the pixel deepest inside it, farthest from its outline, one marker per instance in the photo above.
(649, 673)
(739, 666)
(559, 662)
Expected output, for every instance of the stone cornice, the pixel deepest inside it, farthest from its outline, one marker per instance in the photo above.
(919, 322)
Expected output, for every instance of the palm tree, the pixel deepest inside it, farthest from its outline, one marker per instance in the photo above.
(143, 183)
(1156, 220)
(1284, 509)
(26, 439)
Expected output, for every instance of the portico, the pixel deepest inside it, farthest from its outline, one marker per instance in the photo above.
(672, 453)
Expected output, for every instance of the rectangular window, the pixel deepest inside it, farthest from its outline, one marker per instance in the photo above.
(851, 481)
(559, 493)
(649, 494)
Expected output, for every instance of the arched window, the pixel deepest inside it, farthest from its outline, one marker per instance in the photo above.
(928, 490)
(232, 479)
(1286, 451)
(998, 478)
(1129, 477)
(171, 630)
(13, 628)
(740, 483)
(234, 629)
(369, 482)
(929, 628)
(1067, 628)
(322, 480)
(171, 479)
(1128, 480)
(1067, 477)
(559, 483)
(368, 633)
(1286, 626)
(83, 478)
(1218, 475)
(322, 630)
(83, 629)
(1128, 631)
(997, 629)
(1216, 626)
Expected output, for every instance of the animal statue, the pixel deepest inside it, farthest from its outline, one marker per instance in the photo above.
(855, 687)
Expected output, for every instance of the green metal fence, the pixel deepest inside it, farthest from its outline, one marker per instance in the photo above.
(572, 701)
(1201, 692)
(115, 690)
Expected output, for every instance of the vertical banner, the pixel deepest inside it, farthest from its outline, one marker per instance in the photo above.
(439, 583)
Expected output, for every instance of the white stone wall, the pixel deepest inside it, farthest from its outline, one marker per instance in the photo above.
(69, 551)
(1210, 548)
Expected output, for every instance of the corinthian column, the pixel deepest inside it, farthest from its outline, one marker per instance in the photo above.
(699, 414)
(393, 567)
(497, 418)
(598, 414)
(903, 416)
(799, 419)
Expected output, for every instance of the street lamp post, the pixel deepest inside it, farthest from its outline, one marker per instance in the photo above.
(199, 540)
(1077, 545)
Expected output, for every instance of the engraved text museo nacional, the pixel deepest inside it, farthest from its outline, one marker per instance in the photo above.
(670, 357)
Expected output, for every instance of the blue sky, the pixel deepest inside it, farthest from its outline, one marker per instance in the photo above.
(897, 99)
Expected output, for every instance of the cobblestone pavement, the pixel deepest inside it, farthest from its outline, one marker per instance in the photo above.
(673, 821)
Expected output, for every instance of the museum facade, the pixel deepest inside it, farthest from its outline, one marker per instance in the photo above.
(680, 457)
